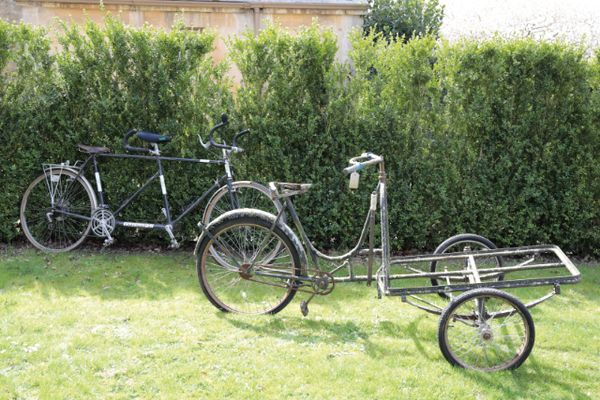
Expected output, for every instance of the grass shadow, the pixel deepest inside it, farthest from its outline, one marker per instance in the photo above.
(530, 380)
(310, 331)
(108, 275)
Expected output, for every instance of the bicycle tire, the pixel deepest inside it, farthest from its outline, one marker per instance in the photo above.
(461, 240)
(232, 288)
(219, 203)
(249, 195)
(488, 338)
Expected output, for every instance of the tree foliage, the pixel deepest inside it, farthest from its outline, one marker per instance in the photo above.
(404, 19)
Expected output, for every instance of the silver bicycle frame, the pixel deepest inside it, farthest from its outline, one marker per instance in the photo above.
(411, 267)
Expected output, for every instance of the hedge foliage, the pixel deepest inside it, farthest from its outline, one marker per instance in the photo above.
(497, 137)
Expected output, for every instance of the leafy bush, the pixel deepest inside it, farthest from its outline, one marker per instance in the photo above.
(26, 103)
(284, 98)
(404, 19)
(519, 113)
(397, 114)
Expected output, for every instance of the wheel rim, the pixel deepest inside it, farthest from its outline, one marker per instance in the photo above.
(460, 264)
(487, 333)
(234, 264)
(50, 227)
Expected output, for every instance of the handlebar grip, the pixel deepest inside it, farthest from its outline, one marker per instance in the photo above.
(126, 145)
(127, 136)
(354, 168)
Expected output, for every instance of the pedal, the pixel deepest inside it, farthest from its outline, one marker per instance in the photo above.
(174, 244)
(304, 308)
(304, 305)
(109, 239)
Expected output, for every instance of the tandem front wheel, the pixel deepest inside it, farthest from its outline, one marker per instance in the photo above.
(486, 330)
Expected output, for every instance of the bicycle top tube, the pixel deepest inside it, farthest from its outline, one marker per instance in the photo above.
(162, 158)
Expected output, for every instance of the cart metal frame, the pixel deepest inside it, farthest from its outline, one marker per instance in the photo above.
(480, 285)
(284, 191)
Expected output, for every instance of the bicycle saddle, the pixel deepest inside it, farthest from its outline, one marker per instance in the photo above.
(153, 137)
(92, 149)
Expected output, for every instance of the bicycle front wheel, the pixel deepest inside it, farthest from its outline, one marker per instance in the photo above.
(247, 194)
(238, 268)
(56, 211)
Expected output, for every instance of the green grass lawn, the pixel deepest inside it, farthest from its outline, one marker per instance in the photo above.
(119, 325)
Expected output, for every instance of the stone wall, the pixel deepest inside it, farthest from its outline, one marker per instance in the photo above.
(227, 18)
(9, 10)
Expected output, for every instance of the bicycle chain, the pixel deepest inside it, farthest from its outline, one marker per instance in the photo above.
(321, 283)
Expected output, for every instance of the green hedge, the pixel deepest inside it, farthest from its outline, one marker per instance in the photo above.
(523, 115)
(497, 137)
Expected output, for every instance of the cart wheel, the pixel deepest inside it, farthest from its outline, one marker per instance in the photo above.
(486, 330)
(458, 244)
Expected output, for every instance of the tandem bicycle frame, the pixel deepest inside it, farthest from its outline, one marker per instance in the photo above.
(171, 220)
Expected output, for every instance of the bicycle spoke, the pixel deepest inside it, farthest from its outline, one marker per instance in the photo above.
(495, 340)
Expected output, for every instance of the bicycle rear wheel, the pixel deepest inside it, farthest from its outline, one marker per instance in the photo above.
(458, 244)
(237, 268)
(56, 210)
(248, 195)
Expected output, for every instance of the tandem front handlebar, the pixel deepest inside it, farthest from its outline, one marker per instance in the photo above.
(365, 159)
(211, 142)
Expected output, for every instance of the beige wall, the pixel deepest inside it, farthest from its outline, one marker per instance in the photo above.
(226, 18)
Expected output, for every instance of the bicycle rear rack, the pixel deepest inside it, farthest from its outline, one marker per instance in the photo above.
(52, 172)
(50, 168)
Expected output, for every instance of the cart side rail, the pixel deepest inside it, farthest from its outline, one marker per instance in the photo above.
(559, 260)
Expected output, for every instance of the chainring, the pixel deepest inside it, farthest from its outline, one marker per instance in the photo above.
(103, 222)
